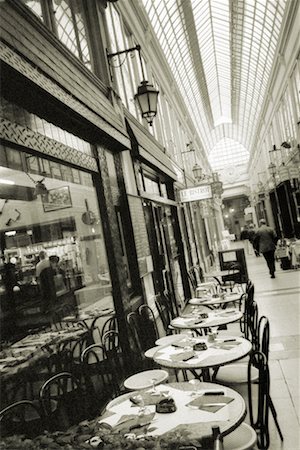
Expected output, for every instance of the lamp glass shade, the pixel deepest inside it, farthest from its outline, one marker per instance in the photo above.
(272, 169)
(146, 99)
(197, 172)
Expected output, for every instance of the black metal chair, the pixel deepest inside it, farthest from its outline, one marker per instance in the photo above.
(63, 401)
(236, 373)
(138, 338)
(99, 330)
(261, 420)
(164, 312)
(149, 327)
(98, 378)
(21, 418)
(113, 351)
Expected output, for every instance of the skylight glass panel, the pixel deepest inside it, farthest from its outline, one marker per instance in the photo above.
(224, 88)
(227, 152)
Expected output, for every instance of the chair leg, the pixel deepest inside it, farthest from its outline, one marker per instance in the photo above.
(274, 414)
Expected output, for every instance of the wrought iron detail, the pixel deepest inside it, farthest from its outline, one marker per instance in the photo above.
(34, 74)
(20, 135)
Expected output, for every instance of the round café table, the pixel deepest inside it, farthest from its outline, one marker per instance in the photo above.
(219, 352)
(195, 413)
(193, 321)
(145, 379)
(208, 300)
(220, 273)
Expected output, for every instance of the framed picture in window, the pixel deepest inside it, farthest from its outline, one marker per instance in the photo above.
(59, 198)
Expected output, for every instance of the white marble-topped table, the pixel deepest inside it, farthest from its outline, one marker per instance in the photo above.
(208, 300)
(219, 352)
(193, 321)
(145, 379)
(196, 421)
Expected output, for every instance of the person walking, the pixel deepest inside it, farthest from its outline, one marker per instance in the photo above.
(264, 242)
(251, 236)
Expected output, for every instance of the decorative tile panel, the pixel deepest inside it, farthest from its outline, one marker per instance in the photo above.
(34, 74)
(20, 135)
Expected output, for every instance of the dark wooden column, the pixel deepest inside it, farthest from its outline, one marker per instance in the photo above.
(113, 246)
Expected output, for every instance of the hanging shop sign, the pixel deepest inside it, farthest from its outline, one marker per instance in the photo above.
(202, 192)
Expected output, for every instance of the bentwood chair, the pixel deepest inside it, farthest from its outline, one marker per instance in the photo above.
(259, 361)
(99, 329)
(242, 438)
(138, 338)
(165, 312)
(63, 401)
(114, 355)
(149, 330)
(22, 417)
(98, 378)
(258, 333)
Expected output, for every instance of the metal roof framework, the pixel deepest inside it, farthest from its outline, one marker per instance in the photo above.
(221, 53)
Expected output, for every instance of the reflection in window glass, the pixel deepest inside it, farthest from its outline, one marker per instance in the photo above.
(53, 253)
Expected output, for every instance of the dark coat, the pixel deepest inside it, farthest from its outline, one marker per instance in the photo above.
(265, 239)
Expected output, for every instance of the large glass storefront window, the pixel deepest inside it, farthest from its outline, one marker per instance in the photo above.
(51, 242)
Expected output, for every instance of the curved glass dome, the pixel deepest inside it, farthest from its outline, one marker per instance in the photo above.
(221, 53)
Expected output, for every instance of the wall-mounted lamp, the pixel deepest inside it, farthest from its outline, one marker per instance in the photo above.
(272, 169)
(198, 172)
(146, 96)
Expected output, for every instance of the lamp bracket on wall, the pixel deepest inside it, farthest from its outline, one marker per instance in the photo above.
(146, 96)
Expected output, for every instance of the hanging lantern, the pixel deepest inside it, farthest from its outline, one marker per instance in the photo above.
(146, 98)
(197, 172)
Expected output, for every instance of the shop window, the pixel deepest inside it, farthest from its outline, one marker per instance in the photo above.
(56, 230)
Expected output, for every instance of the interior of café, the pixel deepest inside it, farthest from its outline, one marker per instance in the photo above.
(64, 223)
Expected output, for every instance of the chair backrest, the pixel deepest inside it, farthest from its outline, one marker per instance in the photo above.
(149, 326)
(98, 330)
(251, 322)
(250, 291)
(22, 417)
(260, 420)
(263, 336)
(113, 351)
(134, 325)
(60, 397)
(169, 301)
(163, 313)
(98, 376)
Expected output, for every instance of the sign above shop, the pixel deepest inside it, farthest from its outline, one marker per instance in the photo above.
(202, 192)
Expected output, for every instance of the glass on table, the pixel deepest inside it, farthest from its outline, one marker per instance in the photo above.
(153, 386)
(197, 387)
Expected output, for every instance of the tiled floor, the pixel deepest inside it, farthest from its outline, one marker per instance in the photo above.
(279, 300)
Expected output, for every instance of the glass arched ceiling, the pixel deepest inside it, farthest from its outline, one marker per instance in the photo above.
(221, 54)
(227, 152)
